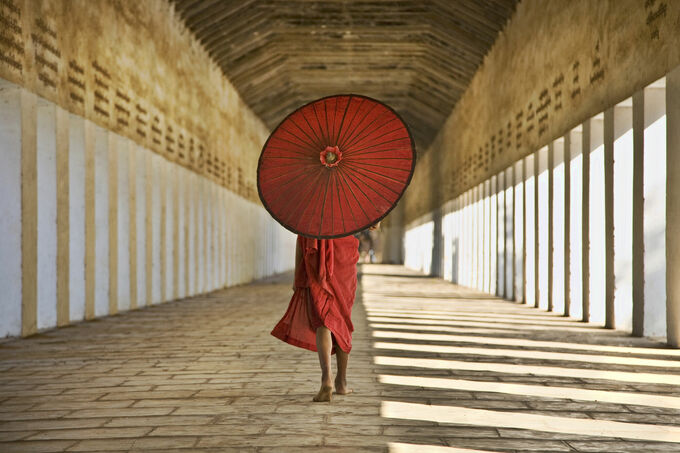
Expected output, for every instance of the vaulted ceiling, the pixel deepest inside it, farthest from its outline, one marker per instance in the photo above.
(417, 56)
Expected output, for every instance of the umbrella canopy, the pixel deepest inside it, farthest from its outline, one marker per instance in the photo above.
(335, 166)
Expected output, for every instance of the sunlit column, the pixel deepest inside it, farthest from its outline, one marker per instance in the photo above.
(474, 236)
(608, 173)
(10, 209)
(638, 230)
(597, 220)
(585, 221)
(493, 237)
(487, 236)
(623, 216)
(480, 240)
(46, 173)
(500, 235)
(123, 207)
(566, 159)
(530, 227)
(557, 212)
(542, 216)
(673, 208)
(550, 213)
(508, 257)
(102, 144)
(518, 229)
(76, 191)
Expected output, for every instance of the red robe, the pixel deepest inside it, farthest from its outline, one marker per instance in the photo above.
(325, 285)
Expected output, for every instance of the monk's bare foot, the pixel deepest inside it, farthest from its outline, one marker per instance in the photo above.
(341, 387)
(325, 394)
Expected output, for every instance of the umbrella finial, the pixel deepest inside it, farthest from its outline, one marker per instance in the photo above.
(330, 156)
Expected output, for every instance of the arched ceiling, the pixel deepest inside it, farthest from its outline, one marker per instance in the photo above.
(417, 56)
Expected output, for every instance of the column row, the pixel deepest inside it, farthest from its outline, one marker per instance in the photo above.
(92, 224)
(584, 226)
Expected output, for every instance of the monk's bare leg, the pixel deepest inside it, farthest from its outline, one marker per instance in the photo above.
(324, 343)
(341, 378)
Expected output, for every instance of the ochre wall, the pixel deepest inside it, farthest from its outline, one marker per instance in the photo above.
(132, 67)
(556, 64)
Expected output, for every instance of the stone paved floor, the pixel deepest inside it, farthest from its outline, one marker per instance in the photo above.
(435, 368)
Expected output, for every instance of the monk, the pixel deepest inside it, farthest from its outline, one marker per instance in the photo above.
(319, 313)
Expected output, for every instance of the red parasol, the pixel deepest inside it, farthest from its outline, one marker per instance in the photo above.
(335, 166)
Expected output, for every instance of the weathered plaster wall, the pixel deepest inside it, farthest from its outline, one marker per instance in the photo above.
(133, 68)
(127, 166)
(555, 64)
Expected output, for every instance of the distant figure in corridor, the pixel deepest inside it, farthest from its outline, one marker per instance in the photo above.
(319, 313)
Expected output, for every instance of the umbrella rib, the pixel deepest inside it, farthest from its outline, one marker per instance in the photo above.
(269, 167)
(311, 218)
(270, 146)
(328, 129)
(318, 139)
(348, 161)
(281, 192)
(356, 126)
(295, 144)
(342, 122)
(367, 197)
(300, 172)
(379, 174)
(401, 127)
(309, 190)
(373, 130)
(376, 181)
(382, 158)
(354, 195)
(314, 143)
(356, 112)
(291, 157)
(323, 205)
(357, 153)
(364, 193)
(316, 115)
(360, 133)
(342, 214)
(310, 144)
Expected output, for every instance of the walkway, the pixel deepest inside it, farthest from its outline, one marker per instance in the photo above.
(432, 365)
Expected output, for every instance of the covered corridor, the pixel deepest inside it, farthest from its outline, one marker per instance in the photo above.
(522, 295)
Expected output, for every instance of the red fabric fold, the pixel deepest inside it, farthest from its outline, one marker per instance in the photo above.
(325, 287)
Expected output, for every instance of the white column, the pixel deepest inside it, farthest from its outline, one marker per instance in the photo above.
(530, 227)
(76, 206)
(493, 240)
(500, 235)
(542, 214)
(509, 210)
(123, 207)
(10, 209)
(101, 214)
(597, 221)
(673, 208)
(518, 229)
(47, 213)
(575, 226)
(655, 205)
(623, 215)
(558, 229)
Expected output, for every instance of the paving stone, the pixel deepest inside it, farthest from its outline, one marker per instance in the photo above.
(26, 425)
(37, 446)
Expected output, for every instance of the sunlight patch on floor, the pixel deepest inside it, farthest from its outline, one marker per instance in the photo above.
(530, 344)
(531, 370)
(518, 420)
(397, 447)
(568, 393)
(528, 354)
